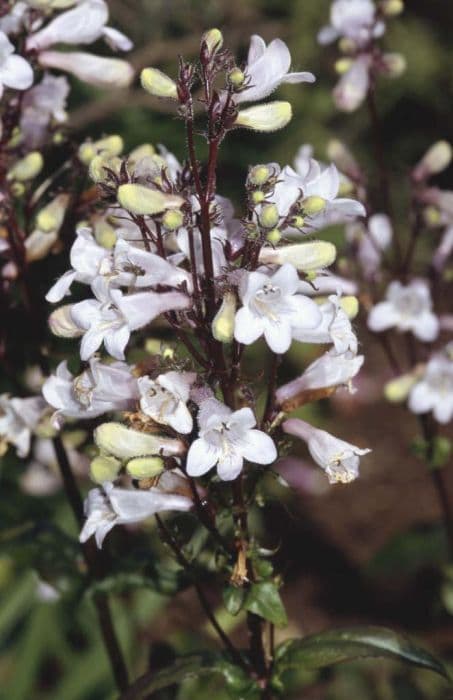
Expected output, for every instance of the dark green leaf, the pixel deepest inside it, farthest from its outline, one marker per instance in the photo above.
(347, 644)
(264, 600)
(234, 599)
(193, 666)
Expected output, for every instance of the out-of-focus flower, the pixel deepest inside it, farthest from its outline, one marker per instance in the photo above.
(95, 70)
(18, 419)
(407, 308)
(272, 307)
(110, 506)
(335, 327)
(164, 399)
(339, 459)
(352, 88)
(15, 71)
(434, 390)
(42, 476)
(267, 68)
(44, 104)
(354, 20)
(372, 242)
(225, 439)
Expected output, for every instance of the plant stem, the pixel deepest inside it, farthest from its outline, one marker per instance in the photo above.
(174, 546)
(94, 565)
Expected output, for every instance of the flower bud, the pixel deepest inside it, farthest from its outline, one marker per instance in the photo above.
(266, 118)
(259, 175)
(274, 236)
(109, 146)
(394, 64)
(269, 216)
(342, 157)
(17, 189)
(437, 158)
(223, 323)
(104, 468)
(142, 200)
(306, 257)
(99, 164)
(158, 84)
(258, 196)
(432, 216)
(61, 323)
(144, 151)
(350, 306)
(124, 443)
(172, 220)
(347, 45)
(342, 65)
(27, 168)
(397, 390)
(51, 217)
(104, 234)
(392, 8)
(236, 77)
(145, 467)
(95, 70)
(39, 244)
(313, 205)
(213, 39)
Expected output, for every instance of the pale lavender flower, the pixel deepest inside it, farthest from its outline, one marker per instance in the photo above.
(164, 399)
(18, 419)
(43, 104)
(407, 308)
(354, 20)
(15, 71)
(335, 327)
(434, 390)
(352, 88)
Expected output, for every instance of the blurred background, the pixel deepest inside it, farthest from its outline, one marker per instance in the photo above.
(371, 551)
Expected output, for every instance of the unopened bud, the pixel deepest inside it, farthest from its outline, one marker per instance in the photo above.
(104, 468)
(274, 236)
(436, 159)
(17, 189)
(51, 217)
(392, 8)
(223, 323)
(346, 188)
(172, 220)
(236, 77)
(61, 323)
(397, 390)
(339, 154)
(108, 146)
(347, 45)
(269, 216)
(343, 65)
(259, 175)
(313, 205)
(258, 196)
(268, 117)
(27, 168)
(16, 137)
(306, 257)
(142, 200)
(144, 151)
(394, 64)
(350, 305)
(105, 234)
(432, 216)
(125, 443)
(158, 84)
(298, 221)
(99, 164)
(213, 39)
(145, 467)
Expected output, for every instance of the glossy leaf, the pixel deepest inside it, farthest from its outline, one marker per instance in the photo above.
(264, 600)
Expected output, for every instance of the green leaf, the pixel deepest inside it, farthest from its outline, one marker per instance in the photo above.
(264, 600)
(194, 666)
(332, 647)
(234, 599)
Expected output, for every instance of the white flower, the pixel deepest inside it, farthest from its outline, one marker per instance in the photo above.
(111, 317)
(335, 327)
(339, 459)
(164, 399)
(140, 268)
(353, 85)
(267, 68)
(407, 308)
(372, 241)
(110, 506)
(15, 72)
(353, 19)
(98, 389)
(43, 104)
(18, 420)
(225, 439)
(83, 24)
(327, 283)
(272, 308)
(95, 70)
(434, 391)
(218, 239)
(11, 23)
(329, 370)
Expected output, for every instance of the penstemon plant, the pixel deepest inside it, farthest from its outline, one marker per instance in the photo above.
(182, 426)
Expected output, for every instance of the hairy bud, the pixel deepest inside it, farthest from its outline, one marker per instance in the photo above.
(125, 443)
(269, 216)
(268, 117)
(437, 158)
(306, 257)
(139, 199)
(26, 168)
(145, 467)
(61, 323)
(223, 323)
(158, 84)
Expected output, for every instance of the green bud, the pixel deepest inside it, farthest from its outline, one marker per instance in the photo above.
(145, 467)
(158, 84)
(172, 220)
(223, 322)
(27, 168)
(236, 77)
(213, 39)
(17, 189)
(258, 196)
(104, 234)
(397, 390)
(259, 174)
(309, 256)
(313, 205)
(347, 45)
(104, 468)
(392, 8)
(266, 117)
(125, 443)
(142, 200)
(269, 216)
(274, 236)
(342, 65)
(298, 222)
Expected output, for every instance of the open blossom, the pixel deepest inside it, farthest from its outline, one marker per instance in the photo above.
(94, 70)
(329, 370)
(111, 505)
(352, 19)
(407, 308)
(335, 327)
(18, 420)
(83, 24)
(98, 389)
(225, 439)
(15, 71)
(371, 241)
(267, 68)
(271, 307)
(339, 459)
(43, 104)
(164, 399)
(434, 391)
